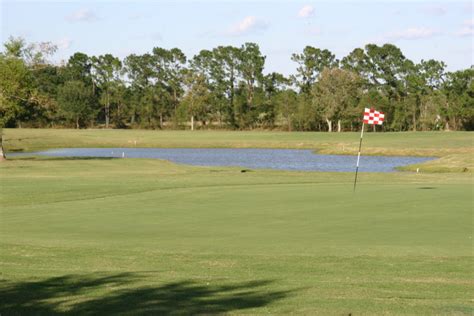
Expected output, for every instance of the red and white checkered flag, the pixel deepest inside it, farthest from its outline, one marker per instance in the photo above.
(373, 117)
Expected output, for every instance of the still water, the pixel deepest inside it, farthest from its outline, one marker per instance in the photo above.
(282, 159)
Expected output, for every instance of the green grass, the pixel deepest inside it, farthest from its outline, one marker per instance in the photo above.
(411, 143)
(448, 163)
(96, 236)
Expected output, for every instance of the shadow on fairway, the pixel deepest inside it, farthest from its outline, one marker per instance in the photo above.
(111, 294)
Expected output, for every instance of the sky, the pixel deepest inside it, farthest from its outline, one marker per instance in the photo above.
(422, 29)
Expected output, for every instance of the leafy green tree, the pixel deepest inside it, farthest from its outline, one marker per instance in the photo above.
(164, 102)
(311, 62)
(197, 98)
(275, 99)
(151, 88)
(75, 102)
(245, 75)
(386, 69)
(431, 110)
(224, 78)
(118, 102)
(286, 102)
(41, 109)
(459, 108)
(251, 62)
(387, 66)
(306, 117)
(33, 54)
(29, 82)
(358, 62)
(422, 101)
(207, 64)
(336, 92)
(223, 67)
(15, 87)
(139, 70)
(140, 74)
(147, 107)
(433, 73)
(14, 92)
(79, 67)
(169, 70)
(15, 47)
(106, 70)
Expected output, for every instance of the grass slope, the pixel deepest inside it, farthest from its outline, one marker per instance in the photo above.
(146, 236)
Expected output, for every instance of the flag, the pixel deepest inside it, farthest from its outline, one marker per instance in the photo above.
(373, 117)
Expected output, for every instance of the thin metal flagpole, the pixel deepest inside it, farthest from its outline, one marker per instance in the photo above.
(358, 155)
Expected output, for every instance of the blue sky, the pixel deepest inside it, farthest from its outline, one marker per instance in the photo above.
(422, 29)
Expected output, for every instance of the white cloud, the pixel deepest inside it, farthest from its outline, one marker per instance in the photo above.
(412, 33)
(306, 11)
(247, 25)
(63, 43)
(467, 29)
(469, 23)
(83, 15)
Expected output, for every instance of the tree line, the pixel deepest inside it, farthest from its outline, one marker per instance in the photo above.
(226, 88)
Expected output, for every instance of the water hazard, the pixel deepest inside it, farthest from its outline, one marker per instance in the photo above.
(282, 159)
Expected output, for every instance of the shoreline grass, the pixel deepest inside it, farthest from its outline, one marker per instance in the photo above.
(455, 149)
(402, 143)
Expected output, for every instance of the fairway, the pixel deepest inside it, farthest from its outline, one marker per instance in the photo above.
(142, 236)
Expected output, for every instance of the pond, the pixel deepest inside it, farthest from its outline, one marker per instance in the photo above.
(282, 159)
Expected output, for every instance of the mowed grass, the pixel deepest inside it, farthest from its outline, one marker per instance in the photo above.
(413, 143)
(136, 236)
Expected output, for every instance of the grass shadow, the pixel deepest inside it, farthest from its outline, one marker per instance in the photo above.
(121, 293)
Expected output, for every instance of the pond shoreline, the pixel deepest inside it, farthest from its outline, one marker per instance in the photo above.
(261, 158)
(455, 150)
(418, 144)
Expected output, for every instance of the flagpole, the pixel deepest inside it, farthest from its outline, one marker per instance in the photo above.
(358, 155)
